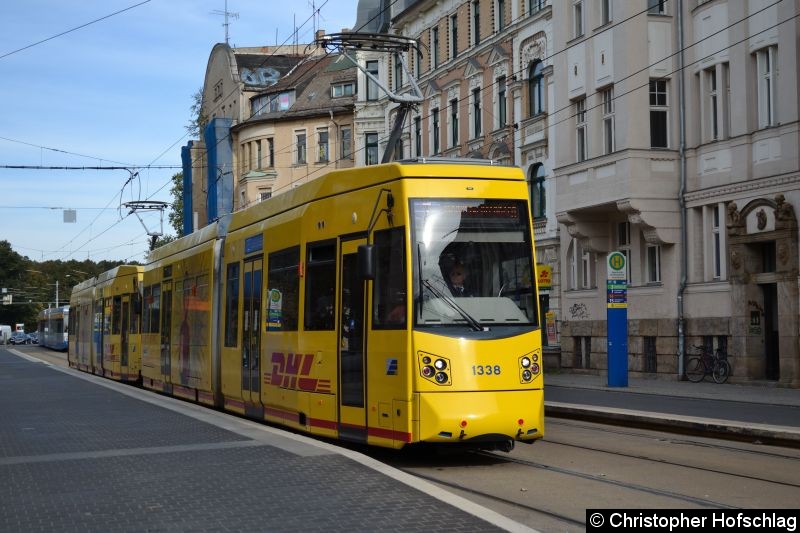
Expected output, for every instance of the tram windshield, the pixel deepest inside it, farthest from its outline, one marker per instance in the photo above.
(473, 263)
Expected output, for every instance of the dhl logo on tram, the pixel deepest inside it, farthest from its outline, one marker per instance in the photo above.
(292, 371)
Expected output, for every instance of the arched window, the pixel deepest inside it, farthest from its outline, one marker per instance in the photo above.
(536, 184)
(535, 89)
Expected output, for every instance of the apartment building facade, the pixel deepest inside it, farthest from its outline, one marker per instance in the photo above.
(676, 126)
(483, 68)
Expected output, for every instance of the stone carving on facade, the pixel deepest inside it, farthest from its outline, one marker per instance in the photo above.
(761, 219)
(452, 93)
(501, 70)
(783, 254)
(735, 221)
(784, 213)
(532, 51)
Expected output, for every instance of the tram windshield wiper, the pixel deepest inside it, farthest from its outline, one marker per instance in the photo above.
(449, 300)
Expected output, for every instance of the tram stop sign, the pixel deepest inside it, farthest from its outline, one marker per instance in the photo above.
(616, 267)
(617, 316)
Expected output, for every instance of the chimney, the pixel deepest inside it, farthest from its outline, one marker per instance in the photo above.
(319, 35)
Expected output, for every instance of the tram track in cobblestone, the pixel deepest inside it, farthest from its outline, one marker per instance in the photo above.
(702, 502)
(495, 498)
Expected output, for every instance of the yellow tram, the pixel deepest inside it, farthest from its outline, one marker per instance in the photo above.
(389, 305)
(105, 332)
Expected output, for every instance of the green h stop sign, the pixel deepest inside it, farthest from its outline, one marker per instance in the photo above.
(615, 266)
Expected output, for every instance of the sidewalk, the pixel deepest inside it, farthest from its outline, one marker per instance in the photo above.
(82, 453)
(756, 412)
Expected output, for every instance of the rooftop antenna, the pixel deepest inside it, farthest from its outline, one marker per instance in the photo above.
(380, 42)
(226, 14)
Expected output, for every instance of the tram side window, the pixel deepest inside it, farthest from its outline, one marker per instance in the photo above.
(389, 302)
(282, 307)
(116, 315)
(320, 283)
(232, 305)
(152, 305)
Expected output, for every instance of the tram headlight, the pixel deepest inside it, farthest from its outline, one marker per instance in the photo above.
(428, 371)
(525, 362)
(526, 375)
(535, 368)
(426, 360)
(440, 364)
(441, 378)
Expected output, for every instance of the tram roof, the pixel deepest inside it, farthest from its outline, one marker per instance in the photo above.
(352, 179)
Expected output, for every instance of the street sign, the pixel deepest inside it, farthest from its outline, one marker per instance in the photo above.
(616, 266)
(617, 317)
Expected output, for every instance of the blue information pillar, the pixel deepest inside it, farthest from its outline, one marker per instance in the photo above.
(617, 315)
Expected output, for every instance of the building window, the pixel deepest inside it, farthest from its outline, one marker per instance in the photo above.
(501, 102)
(653, 263)
(476, 112)
(271, 149)
(399, 150)
(342, 89)
(580, 129)
(322, 146)
(659, 112)
(577, 18)
(434, 48)
(371, 143)
(453, 36)
(476, 22)
(418, 63)
(264, 194)
(716, 238)
(587, 269)
(500, 15)
(581, 267)
(608, 120)
(372, 87)
(398, 73)
(765, 63)
(435, 130)
(537, 193)
(657, 7)
(605, 11)
(453, 122)
(417, 136)
(347, 140)
(259, 154)
(535, 6)
(624, 246)
(535, 88)
(301, 148)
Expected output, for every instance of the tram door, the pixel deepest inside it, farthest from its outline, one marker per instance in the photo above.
(166, 330)
(126, 317)
(97, 364)
(252, 330)
(352, 414)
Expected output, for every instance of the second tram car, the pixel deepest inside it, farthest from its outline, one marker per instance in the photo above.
(106, 338)
(388, 305)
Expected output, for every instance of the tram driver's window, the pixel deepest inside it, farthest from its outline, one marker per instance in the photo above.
(389, 303)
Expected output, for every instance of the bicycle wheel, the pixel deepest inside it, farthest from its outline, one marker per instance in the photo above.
(721, 371)
(695, 370)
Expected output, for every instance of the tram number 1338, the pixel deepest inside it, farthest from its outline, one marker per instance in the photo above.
(486, 370)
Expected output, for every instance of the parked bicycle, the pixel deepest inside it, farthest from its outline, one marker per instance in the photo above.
(707, 363)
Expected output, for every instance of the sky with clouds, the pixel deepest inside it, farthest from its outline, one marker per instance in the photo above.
(116, 92)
